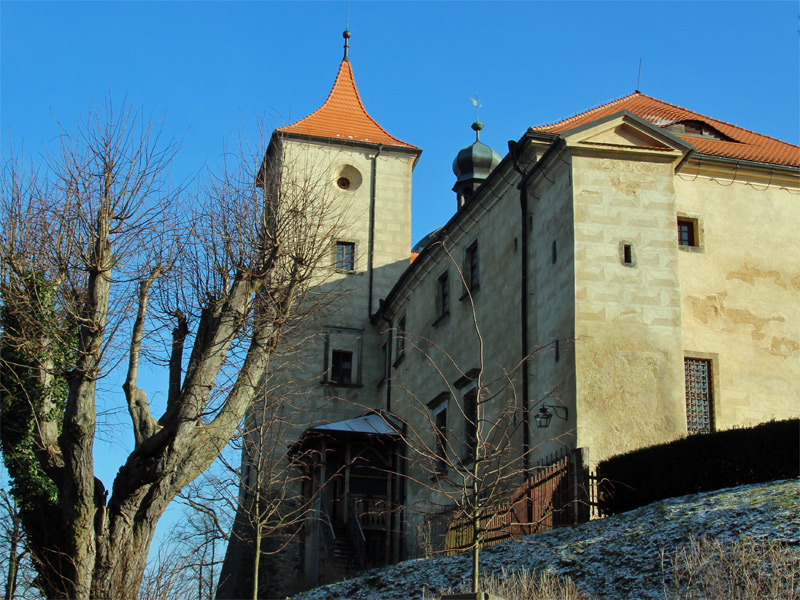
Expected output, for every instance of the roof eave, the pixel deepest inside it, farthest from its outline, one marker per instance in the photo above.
(409, 149)
(746, 163)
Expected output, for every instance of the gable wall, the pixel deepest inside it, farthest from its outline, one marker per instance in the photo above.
(740, 292)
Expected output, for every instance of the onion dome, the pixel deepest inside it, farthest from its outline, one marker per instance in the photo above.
(472, 166)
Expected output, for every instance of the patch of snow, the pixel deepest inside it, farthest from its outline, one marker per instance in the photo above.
(611, 558)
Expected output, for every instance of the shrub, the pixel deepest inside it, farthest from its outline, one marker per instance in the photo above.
(710, 569)
(700, 463)
(528, 585)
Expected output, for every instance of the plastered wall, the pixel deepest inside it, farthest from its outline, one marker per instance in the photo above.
(739, 290)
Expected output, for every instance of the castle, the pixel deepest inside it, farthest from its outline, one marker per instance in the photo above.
(623, 277)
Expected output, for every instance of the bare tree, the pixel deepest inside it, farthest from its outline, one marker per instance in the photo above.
(465, 470)
(14, 553)
(100, 256)
(257, 504)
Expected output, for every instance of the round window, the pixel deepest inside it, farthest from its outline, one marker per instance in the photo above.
(348, 178)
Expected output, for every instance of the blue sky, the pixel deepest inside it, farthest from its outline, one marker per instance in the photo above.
(209, 68)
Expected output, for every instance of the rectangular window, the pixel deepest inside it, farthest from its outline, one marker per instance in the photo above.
(686, 233)
(470, 422)
(554, 252)
(699, 400)
(342, 367)
(471, 266)
(342, 356)
(346, 256)
(440, 431)
(400, 340)
(442, 295)
(385, 360)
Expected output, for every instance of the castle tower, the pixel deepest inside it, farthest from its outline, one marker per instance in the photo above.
(364, 174)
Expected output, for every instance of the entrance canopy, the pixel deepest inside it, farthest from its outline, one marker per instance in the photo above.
(372, 424)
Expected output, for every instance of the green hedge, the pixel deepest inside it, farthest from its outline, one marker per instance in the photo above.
(700, 463)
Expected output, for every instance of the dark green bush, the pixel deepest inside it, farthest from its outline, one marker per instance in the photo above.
(700, 463)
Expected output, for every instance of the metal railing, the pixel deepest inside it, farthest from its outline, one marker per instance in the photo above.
(356, 535)
(327, 533)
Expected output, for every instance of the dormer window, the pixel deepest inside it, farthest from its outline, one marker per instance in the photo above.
(695, 128)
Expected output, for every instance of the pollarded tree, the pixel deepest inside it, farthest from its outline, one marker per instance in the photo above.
(99, 258)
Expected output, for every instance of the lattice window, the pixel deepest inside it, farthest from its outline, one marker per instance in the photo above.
(699, 401)
(686, 233)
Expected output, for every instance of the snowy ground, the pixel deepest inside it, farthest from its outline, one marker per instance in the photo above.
(619, 557)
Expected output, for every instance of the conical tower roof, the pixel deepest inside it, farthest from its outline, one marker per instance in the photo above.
(343, 116)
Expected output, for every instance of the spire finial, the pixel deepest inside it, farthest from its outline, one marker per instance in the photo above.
(346, 35)
(477, 125)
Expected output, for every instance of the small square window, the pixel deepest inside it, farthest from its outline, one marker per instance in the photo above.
(627, 254)
(346, 256)
(687, 236)
(342, 356)
(342, 367)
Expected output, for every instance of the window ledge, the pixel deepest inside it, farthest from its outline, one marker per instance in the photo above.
(469, 292)
(695, 249)
(337, 384)
(441, 318)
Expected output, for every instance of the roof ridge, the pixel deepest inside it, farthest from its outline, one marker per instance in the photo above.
(587, 111)
(742, 143)
(665, 103)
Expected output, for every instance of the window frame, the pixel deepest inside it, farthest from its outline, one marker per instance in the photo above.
(469, 409)
(345, 340)
(439, 420)
(400, 341)
(343, 263)
(711, 362)
(442, 307)
(471, 269)
(695, 223)
(627, 254)
(340, 365)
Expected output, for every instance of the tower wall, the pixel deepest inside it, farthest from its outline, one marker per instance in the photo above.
(629, 353)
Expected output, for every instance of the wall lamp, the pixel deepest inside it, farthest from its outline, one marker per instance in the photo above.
(544, 415)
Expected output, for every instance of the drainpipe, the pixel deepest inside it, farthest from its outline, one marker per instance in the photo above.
(388, 366)
(371, 243)
(526, 443)
(513, 150)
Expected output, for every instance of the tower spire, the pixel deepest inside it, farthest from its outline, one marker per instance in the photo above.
(346, 35)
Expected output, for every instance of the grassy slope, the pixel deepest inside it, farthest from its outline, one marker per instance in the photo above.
(617, 557)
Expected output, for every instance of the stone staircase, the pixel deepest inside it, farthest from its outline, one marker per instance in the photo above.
(344, 556)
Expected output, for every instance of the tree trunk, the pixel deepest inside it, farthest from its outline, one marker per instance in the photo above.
(13, 558)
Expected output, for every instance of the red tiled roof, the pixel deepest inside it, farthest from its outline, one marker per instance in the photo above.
(748, 145)
(343, 116)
